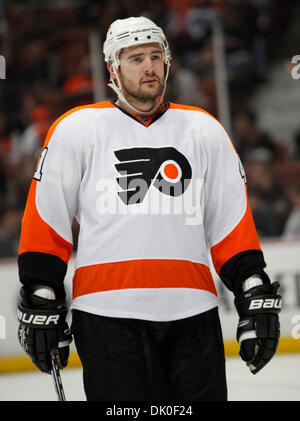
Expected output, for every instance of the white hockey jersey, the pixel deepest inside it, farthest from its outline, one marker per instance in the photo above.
(152, 199)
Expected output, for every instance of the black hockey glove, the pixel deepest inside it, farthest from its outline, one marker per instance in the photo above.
(258, 330)
(43, 328)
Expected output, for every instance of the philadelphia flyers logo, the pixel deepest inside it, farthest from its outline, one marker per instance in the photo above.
(166, 169)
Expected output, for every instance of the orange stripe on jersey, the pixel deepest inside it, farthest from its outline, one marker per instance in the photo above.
(144, 273)
(243, 237)
(36, 234)
(187, 107)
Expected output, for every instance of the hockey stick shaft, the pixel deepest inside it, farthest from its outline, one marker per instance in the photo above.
(56, 376)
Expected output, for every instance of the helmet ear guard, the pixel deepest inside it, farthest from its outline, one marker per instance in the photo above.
(124, 33)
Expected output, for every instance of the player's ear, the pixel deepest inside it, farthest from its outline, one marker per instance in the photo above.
(111, 70)
(113, 76)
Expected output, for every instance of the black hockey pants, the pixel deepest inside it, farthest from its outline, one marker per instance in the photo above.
(138, 360)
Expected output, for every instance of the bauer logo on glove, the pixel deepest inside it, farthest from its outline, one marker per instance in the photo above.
(258, 329)
(37, 319)
(267, 303)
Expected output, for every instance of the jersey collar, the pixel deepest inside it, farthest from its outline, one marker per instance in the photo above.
(145, 120)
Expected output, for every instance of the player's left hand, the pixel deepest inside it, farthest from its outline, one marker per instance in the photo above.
(258, 329)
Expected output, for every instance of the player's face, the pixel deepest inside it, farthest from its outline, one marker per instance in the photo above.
(142, 72)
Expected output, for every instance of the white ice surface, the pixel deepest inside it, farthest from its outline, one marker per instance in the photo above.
(278, 381)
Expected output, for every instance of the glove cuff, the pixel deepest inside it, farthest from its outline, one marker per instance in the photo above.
(259, 300)
(253, 281)
(38, 312)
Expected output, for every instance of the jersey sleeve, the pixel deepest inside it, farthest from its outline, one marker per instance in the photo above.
(229, 226)
(46, 236)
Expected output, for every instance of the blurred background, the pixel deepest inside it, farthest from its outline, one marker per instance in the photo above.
(51, 62)
(236, 59)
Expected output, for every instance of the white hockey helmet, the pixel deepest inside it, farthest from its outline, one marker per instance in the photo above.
(128, 32)
(124, 33)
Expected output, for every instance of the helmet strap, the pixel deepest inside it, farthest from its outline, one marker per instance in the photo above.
(117, 87)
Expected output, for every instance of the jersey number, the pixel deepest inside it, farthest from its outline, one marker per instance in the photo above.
(38, 171)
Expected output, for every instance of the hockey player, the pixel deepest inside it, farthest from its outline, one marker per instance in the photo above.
(153, 185)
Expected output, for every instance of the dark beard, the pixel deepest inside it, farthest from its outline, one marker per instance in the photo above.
(144, 97)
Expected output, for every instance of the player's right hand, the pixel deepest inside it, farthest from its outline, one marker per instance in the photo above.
(42, 328)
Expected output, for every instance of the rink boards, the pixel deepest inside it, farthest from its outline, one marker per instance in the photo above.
(283, 260)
